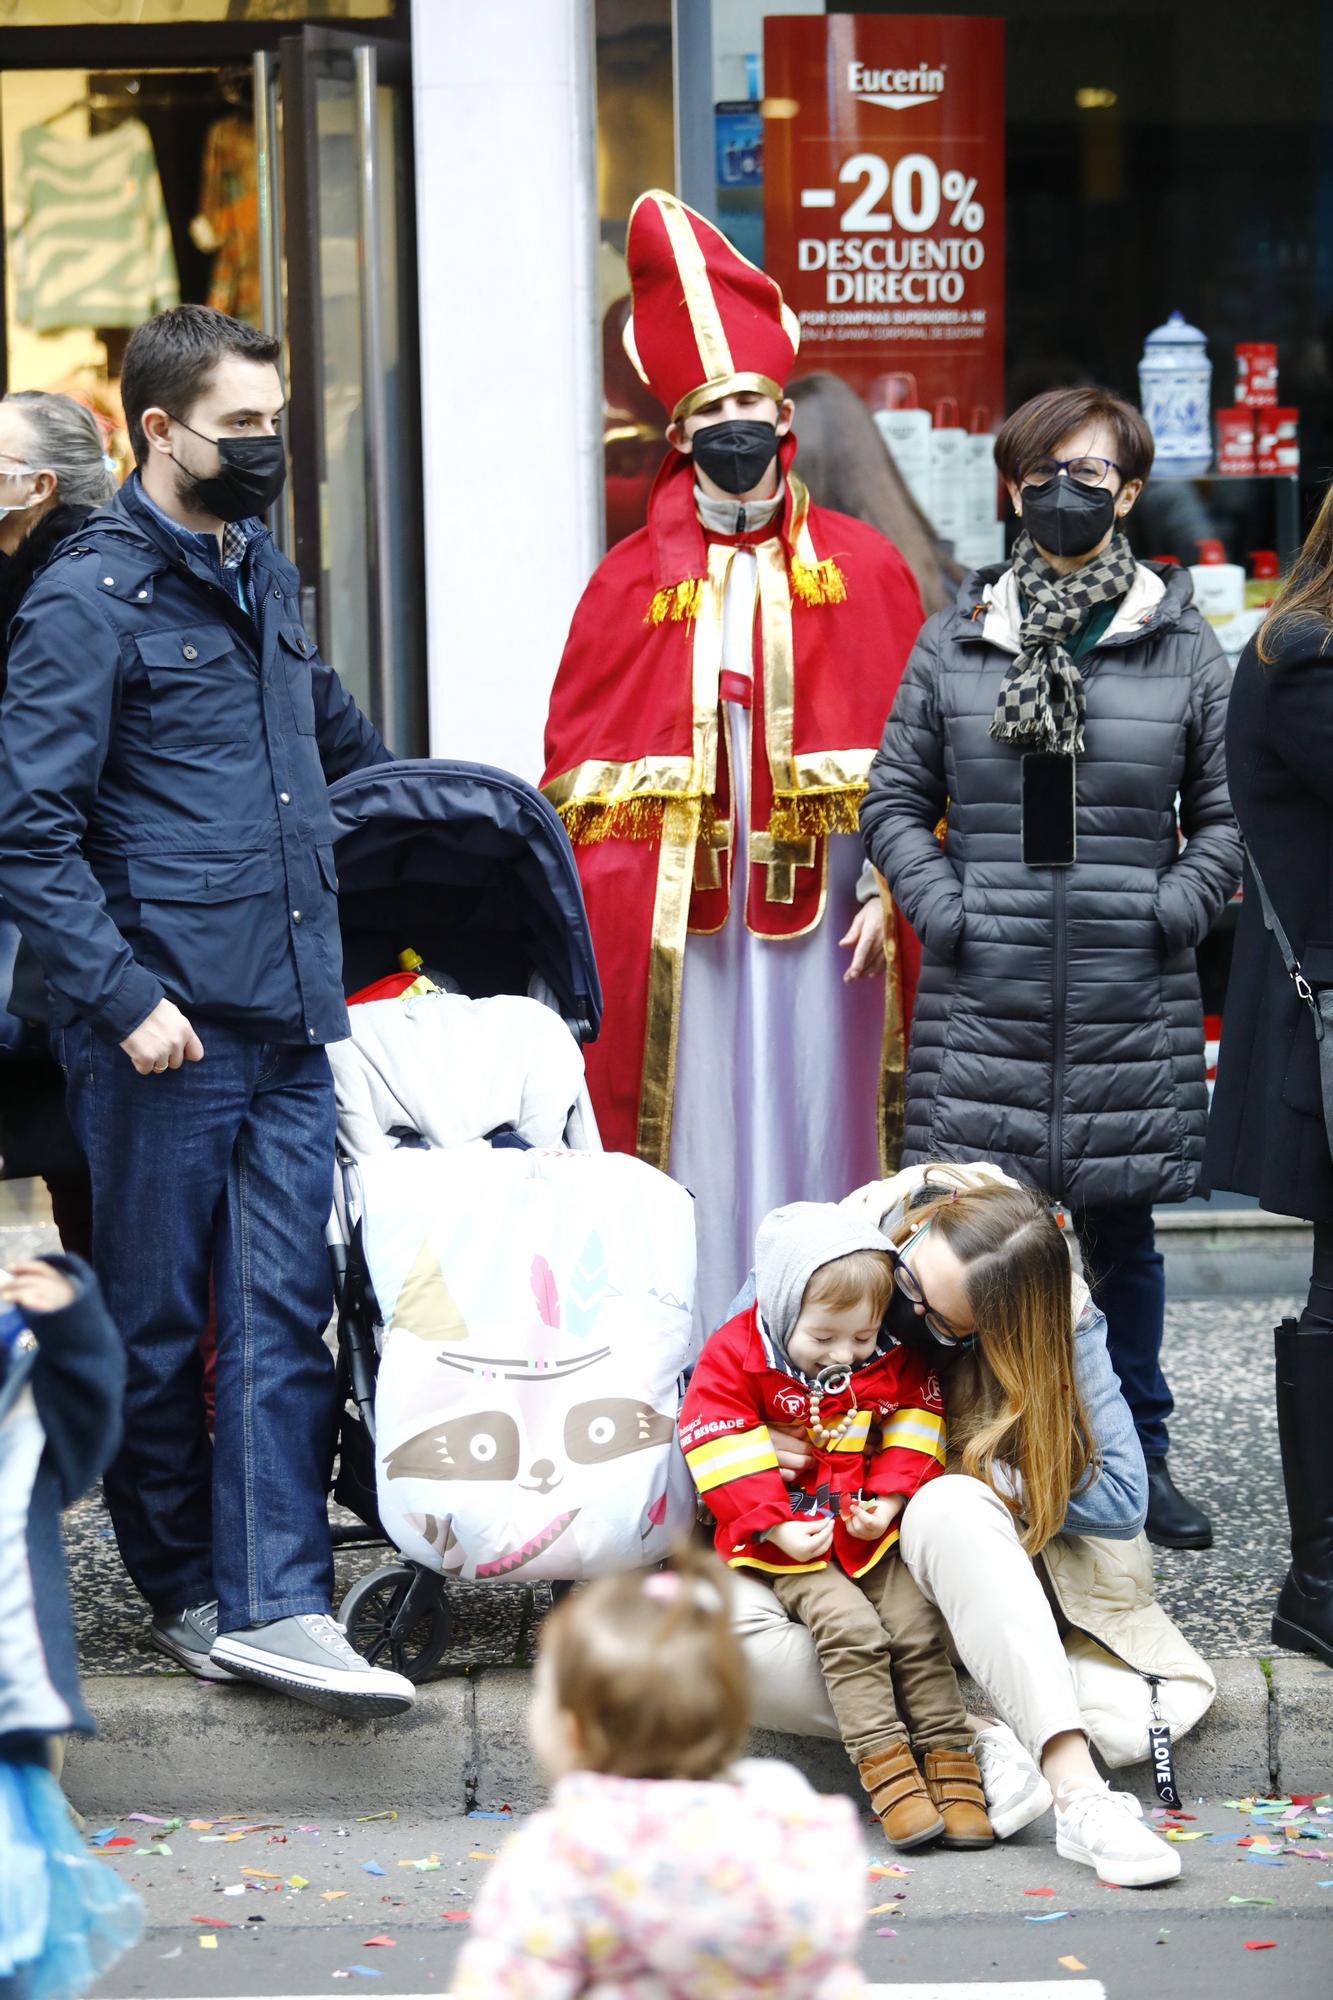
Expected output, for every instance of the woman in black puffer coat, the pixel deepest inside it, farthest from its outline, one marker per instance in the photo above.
(1052, 719)
(1267, 1135)
(53, 473)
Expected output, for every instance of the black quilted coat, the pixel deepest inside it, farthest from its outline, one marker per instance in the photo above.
(1058, 1026)
(1267, 1134)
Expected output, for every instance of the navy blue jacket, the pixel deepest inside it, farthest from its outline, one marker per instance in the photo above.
(51, 1452)
(164, 757)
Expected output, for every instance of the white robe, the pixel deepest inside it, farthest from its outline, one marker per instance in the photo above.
(777, 1069)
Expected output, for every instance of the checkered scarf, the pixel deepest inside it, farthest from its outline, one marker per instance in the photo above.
(1041, 696)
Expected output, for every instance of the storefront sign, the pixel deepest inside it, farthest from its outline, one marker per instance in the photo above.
(884, 200)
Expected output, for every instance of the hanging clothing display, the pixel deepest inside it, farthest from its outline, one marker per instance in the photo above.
(228, 218)
(93, 245)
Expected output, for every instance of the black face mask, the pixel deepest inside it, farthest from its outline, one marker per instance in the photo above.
(909, 1328)
(1067, 519)
(253, 473)
(735, 455)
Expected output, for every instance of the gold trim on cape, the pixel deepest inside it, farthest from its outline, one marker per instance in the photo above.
(891, 1122)
(671, 908)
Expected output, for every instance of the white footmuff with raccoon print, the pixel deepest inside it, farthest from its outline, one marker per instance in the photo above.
(537, 1318)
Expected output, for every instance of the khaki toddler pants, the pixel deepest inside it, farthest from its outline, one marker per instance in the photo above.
(872, 1634)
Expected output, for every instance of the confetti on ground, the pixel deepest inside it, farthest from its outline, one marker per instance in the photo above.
(368, 1819)
(1072, 1964)
(878, 1868)
(101, 1837)
(456, 1916)
(215, 1923)
(234, 1889)
(1324, 1885)
(1039, 1892)
(1261, 1944)
(1251, 1899)
(120, 1840)
(297, 1882)
(262, 1874)
(505, 1812)
(884, 1931)
(479, 1854)
(208, 1944)
(381, 1939)
(160, 1847)
(371, 1868)
(359, 1972)
(170, 1954)
(1048, 1917)
(878, 1909)
(1175, 1833)
(331, 1895)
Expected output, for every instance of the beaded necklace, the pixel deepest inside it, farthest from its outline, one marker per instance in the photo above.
(830, 1382)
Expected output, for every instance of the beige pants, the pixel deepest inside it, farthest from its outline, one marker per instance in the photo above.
(875, 1637)
(959, 1543)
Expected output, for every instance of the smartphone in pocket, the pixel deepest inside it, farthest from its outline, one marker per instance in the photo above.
(1048, 805)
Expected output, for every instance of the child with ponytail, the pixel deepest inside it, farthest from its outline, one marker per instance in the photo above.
(662, 1864)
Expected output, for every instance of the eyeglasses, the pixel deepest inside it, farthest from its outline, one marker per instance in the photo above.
(907, 1282)
(1086, 471)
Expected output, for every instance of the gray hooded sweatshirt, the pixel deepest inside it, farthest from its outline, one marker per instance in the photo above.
(793, 1243)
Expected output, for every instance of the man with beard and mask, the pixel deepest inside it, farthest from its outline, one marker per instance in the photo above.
(1068, 716)
(710, 732)
(167, 735)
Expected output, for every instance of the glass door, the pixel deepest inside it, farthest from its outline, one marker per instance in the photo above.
(339, 109)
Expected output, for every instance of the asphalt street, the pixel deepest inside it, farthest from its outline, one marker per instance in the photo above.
(290, 1910)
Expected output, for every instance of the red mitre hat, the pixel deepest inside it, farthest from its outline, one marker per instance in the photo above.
(706, 321)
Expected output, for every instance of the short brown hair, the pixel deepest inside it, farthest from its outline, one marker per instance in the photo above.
(170, 359)
(1036, 428)
(844, 1281)
(652, 1672)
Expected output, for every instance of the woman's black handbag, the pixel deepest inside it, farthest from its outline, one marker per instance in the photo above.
(1319, 999)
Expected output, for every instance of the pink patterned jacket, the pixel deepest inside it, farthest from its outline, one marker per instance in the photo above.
(658, 1889)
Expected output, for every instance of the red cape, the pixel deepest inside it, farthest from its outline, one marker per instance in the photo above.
(627, 762)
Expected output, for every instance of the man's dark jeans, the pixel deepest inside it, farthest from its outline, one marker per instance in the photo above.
(1124, 1268)
(222, 1166)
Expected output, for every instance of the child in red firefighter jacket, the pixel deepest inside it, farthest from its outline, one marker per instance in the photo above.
(811, 1354)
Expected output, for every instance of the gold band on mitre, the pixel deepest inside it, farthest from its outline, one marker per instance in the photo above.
(726, 385)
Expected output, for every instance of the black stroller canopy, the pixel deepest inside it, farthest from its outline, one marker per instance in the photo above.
(470, 867)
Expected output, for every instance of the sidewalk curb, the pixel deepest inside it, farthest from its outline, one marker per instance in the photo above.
(171, 1744)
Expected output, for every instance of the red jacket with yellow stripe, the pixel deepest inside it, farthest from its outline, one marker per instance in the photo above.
(893, 1444)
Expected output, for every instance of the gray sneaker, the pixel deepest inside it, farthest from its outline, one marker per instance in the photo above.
(189, 1638)
(309, 1657)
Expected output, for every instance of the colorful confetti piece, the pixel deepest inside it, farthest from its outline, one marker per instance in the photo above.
(1072, 1964)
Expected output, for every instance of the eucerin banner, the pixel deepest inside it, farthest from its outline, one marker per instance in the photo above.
(884, 202)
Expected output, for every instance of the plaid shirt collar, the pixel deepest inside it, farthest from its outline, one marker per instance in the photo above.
(236, 535)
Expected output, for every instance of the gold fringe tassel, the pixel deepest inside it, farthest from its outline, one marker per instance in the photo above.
(824, 583)
(676, 602)
(587, 821)
(810, 814)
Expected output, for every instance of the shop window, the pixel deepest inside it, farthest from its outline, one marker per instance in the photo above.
(169, 13)
(124, 193)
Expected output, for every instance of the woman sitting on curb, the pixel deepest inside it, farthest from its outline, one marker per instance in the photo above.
(1033, 1532)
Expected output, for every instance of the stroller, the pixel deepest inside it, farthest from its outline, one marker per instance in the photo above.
(471, 869)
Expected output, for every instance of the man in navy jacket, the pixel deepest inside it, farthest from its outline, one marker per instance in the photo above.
(166, 739)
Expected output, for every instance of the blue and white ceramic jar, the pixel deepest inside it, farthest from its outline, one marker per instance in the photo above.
(1175, 381)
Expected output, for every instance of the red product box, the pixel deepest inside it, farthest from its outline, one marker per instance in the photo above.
(1236, 441)
(1256, 373)
(1278, 441)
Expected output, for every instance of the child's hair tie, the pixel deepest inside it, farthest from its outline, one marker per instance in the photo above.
(667, 1585)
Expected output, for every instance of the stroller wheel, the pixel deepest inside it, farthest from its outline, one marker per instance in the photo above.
(398, 1617)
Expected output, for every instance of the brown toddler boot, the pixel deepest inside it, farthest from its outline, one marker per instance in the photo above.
(899, 1796)
(954, 1783)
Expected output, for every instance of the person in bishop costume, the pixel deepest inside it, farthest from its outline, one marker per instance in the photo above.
(711, 729)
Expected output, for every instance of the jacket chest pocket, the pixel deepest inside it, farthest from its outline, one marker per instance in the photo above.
(294, 656)
(201, 688)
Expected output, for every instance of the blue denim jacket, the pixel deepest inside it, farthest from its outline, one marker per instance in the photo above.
(164, 759)
(1114, 1504)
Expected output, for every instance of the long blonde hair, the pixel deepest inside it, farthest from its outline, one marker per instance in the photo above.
(1013, 1399)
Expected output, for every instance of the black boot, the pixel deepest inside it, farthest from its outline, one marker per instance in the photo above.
(1173, 1521)
(1304, 1616)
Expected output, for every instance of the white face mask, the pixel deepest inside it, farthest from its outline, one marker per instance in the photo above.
(19, 506)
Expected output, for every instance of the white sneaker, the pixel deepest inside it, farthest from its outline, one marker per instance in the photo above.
(309, 1657)
(1016, 1792)
(1105, 1830)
